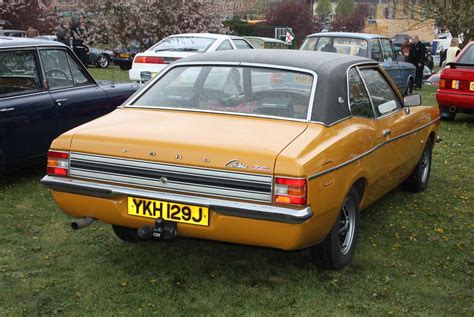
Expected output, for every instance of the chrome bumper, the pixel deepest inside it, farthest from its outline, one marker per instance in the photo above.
(233, 208)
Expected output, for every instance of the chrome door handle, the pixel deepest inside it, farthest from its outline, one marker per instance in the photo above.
(6, 109)
(387, 132)
(59, 101)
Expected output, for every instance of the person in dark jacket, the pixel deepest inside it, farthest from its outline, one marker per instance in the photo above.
(417, 57)
(79, 34)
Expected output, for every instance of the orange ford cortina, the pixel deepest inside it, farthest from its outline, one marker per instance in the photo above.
(277, 149)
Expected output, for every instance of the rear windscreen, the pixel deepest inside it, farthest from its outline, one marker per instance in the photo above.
(241, 90)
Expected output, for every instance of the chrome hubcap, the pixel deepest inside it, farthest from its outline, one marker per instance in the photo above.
(425, 165)
(346, 225)
(102, 61)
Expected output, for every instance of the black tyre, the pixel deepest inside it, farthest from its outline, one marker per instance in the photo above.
(125, 66)
(103, 61)
(447, 115)
(418, 180)
(337, 249)
(126, 234)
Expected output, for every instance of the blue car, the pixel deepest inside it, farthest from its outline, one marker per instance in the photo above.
(45, 91)
(376, 47)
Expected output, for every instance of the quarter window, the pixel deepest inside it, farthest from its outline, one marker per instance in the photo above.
(18, 73)
(225, 46)
(387, 50)
(358, 99)
(383, 97)
(242, 44)
(376, 50)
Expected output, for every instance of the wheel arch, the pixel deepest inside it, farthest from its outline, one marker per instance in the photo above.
(360, 185)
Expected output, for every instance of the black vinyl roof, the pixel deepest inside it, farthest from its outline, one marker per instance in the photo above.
(330, 102)
(6, 41)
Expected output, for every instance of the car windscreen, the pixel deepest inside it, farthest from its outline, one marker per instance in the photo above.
(232, 89)
(341, 45)
(467, 57)
(183, 44)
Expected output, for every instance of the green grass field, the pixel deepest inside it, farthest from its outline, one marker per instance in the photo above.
(414, 256)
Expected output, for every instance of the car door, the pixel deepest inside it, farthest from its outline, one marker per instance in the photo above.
(395, 125)
(27, 113)
(77, 96)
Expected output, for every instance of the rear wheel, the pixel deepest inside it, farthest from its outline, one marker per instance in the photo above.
(418, 180)
(337, 249)
(103, 61)
(126, 234)
(446, 114)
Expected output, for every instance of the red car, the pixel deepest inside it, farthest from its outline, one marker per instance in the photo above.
(456, 86)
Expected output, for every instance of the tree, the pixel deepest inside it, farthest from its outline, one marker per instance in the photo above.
(239, 27)
(119, 22)
(23, 14)
(344, 8)
(296, 14)
(457, 15)
(354, 22)
(324, 8)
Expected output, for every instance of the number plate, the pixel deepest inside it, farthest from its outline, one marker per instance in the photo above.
(124, 55)
(472, 85)
(195, 215)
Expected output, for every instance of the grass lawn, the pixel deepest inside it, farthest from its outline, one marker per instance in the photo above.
(414, 256)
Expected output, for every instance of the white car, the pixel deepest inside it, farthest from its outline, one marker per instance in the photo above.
(149, 63)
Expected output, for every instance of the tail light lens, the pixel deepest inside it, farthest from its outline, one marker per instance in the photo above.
(462, 85)
(442, 83)
(58, 163)
(150, 60)
(290, 191)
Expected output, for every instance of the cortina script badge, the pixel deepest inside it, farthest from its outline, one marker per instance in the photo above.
(236, 164)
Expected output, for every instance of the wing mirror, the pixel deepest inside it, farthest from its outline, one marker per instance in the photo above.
(411, 101)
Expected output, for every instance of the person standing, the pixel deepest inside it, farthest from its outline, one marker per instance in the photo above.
(63, 32)
(405, 49)
(79, 34)
(417, 57)
(453, 50)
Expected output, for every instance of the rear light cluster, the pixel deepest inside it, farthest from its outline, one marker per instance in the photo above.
(290, 191)
(58, 163)
(454, 84)
(150, 60)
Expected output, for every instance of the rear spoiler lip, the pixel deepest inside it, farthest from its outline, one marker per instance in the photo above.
(454, 65)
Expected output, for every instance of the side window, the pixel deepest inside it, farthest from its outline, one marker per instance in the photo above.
(225, 46)
(310, 44)
(359, 101)
(228, 80)
(376, 50)
(242, 44)
(78, 74)
(387, 50)
(56, 68)
(383, 97)
(323, 42)
(18, 73)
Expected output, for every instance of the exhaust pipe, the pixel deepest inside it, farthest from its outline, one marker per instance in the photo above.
(452, 109)
(81, 223)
